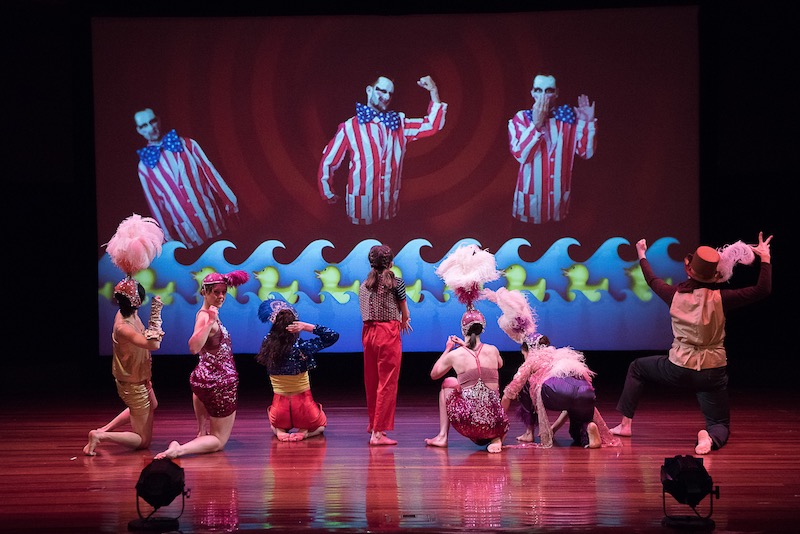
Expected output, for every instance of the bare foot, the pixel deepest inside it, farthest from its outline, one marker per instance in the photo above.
(381, 439)
(594, 436)
(297, 436)
(704, 443)
(171, 452)
(438, 441)
(496, 445)
(94, 440)
(621, 430)
(526, 437)
(282, 435)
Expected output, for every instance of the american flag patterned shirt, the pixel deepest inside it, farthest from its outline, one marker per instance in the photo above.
(186, 194)
(376, 162)
(546, 156)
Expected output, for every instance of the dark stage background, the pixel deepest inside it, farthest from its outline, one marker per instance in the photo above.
(747, 174)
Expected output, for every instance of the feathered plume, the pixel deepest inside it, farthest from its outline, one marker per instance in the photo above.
(465, 271)
(518, 320)
(136, 243)
(730, 255)
(231, 279)
(237, 278)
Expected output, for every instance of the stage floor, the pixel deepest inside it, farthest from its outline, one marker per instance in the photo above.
(337, 482)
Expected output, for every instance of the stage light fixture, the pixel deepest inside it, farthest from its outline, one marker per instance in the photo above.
(685, 478)
(160, 482)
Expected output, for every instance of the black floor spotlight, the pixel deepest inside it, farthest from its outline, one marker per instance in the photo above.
(685, 478)
(160, 482)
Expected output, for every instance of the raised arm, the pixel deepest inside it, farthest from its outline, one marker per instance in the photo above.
(427, 83)
(206, 319)
(126, 333)
(445, 361)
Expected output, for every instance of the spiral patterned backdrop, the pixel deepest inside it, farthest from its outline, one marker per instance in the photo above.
(264, 95)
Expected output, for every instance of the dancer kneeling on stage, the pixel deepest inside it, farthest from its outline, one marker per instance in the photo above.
(288, 360)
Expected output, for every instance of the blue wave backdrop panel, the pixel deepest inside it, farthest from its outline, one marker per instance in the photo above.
(599, 304)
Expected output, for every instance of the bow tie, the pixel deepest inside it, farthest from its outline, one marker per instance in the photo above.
(152, 153)
(365, 114)
(563, 113)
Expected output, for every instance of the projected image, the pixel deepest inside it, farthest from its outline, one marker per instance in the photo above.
(185, 193)
(289, 157)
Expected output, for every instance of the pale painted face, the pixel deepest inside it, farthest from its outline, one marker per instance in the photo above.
(147, 125)
(380, 94)
(544, 87)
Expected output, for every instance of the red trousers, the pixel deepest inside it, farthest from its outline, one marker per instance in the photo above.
(383, 351)
(296, 411)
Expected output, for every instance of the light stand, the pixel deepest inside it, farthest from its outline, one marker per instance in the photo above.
(159, 483)
(685, 478)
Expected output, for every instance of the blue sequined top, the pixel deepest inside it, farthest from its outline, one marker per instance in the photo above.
(301, 357)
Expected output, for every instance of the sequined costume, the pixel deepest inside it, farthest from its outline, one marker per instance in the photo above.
(132, 370)
(557, 379)
(293, 405)
(215, 380)
(474, 409)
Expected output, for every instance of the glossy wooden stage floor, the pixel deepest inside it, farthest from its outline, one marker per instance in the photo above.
(339, 483)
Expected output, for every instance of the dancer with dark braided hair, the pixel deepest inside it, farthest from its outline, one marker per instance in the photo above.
(384, 310)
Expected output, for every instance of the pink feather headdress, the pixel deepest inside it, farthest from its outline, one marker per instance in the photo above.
(465, 271)
(518, 320)
(135, 244)
(231, 279)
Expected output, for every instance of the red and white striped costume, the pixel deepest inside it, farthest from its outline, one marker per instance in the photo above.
(376, 162)
(186, 195)
(546, 156)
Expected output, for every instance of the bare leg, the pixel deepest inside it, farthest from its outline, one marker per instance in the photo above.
(624, 428)
(560, 420)
(440, 439)
(704, 443)
(123, 418)
(221, 428)
(202, 416)
(138, 438)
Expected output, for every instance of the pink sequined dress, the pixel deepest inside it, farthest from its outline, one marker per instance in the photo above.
(474, 409)
(215, 380)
